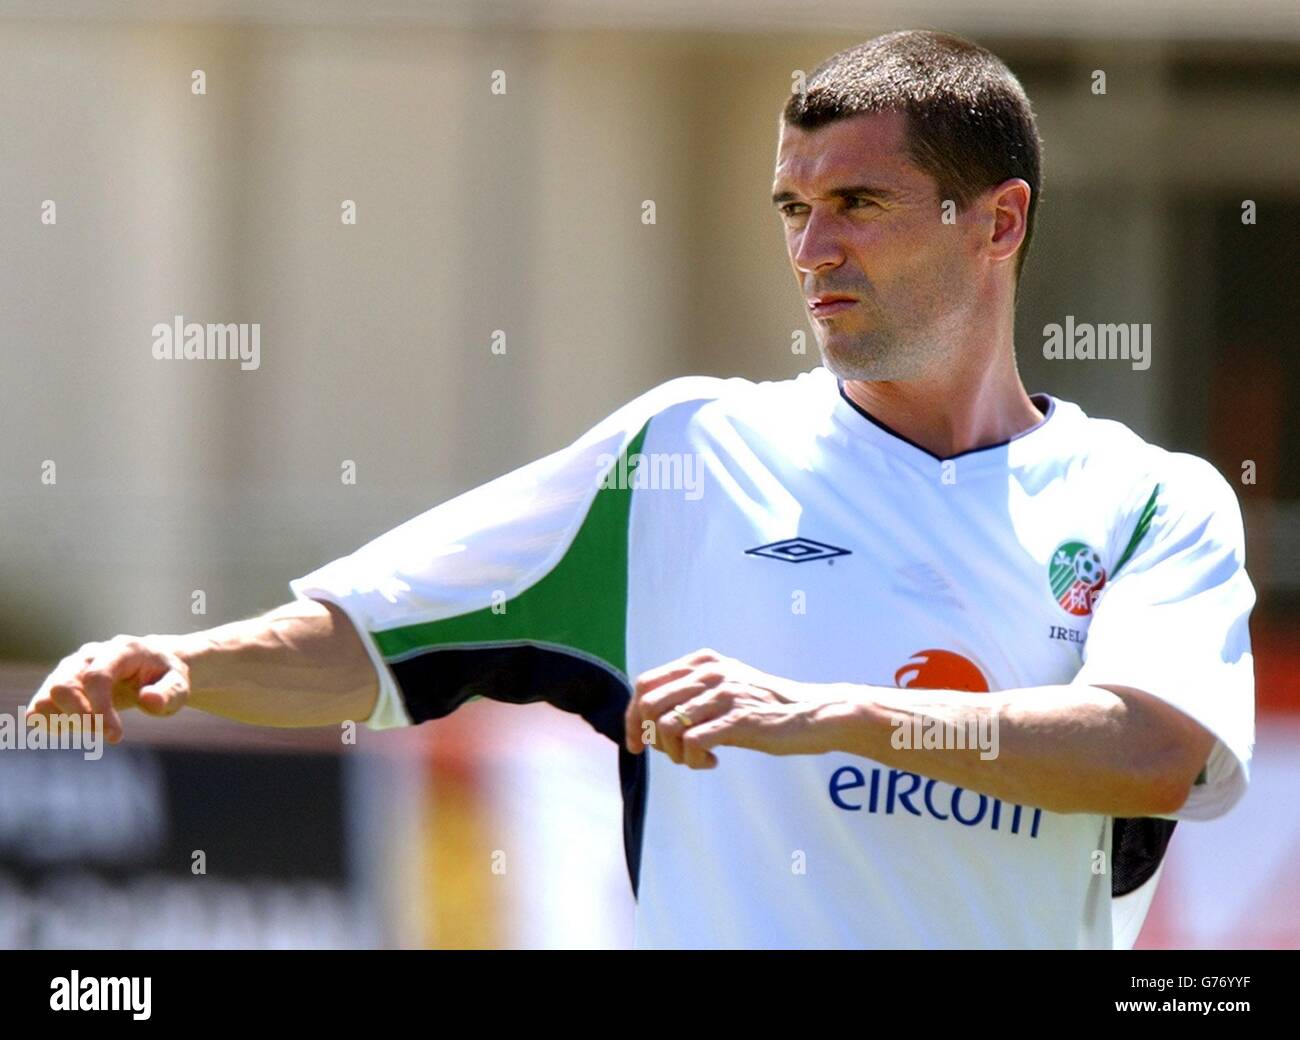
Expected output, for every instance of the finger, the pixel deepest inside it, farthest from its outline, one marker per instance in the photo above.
(68, 701)
(635, 718)
(115, 662)
(672, 729)
(675, 669)
(42, 701)
(653, 679)
(694, 757)
(641, 734)
(701, 679)
(632, 727)
(655, 711)
(636, 733)
(61, 693)
(166, 696)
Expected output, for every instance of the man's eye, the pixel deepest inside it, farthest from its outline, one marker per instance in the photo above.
(793, 209)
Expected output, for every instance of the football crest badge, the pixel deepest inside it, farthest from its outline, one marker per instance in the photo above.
(1076, 576)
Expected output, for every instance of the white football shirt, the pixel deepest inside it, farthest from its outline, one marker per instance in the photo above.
(778, 523)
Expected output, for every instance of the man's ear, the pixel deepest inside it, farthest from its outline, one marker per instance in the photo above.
(1009, 202)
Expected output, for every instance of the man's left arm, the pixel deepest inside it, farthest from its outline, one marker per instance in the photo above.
(1158, 721)
(1066, 748)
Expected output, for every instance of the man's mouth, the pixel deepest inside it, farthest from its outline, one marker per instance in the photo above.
(826, 304)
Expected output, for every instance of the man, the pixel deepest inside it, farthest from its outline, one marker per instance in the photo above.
(811, 579)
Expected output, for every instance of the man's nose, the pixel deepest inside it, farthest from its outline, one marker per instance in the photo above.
(819, 245)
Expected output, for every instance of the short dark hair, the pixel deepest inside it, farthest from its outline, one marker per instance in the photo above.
(969, 122)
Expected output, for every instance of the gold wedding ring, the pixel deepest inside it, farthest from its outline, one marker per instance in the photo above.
(685, 719)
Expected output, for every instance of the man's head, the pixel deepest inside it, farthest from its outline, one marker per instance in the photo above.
(938, 144)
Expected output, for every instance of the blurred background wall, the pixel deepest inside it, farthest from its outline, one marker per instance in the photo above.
(520, 211)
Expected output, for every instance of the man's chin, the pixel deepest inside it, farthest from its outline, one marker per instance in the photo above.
(858, 363)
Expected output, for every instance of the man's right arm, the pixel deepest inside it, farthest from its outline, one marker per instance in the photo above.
(301, 664)
(433, 582)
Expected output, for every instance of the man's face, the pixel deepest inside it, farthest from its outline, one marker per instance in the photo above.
(862, 221)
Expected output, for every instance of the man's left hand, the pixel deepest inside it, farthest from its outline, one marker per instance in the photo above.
(704, 700)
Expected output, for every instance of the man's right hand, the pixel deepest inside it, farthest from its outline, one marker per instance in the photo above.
(141, 672)
(301, 664)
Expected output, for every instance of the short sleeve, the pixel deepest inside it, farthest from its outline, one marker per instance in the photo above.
(1173, 622)
(515, 590)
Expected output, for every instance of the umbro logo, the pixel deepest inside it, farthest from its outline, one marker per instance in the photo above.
(798, 550)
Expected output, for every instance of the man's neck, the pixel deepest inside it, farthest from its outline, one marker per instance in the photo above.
(947, 416)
